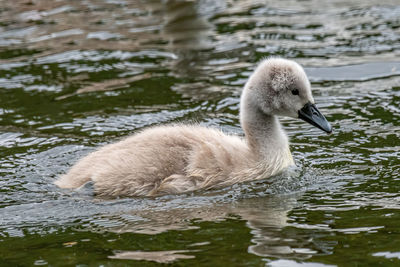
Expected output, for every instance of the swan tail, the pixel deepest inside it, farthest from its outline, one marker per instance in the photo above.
(72, 180)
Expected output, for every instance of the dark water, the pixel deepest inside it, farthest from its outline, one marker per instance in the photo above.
(75, 75)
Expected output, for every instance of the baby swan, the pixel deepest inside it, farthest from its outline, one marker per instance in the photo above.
(181, 158)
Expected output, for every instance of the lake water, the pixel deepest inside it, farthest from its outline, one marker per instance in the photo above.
(75, 75)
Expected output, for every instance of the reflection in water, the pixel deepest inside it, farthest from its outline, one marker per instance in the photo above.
(157, 256)
(265, 216)
(187, 32)
(185, 27)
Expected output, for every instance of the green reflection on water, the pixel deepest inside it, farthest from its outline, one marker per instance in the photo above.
(213, 243)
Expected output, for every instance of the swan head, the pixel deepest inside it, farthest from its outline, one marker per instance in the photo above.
(280, 87)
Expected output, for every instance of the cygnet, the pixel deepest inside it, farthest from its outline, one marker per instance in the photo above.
(177, 158)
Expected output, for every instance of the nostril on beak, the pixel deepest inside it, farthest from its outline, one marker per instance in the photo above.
(314, 111)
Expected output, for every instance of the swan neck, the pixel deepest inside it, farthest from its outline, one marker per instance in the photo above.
(263, 132)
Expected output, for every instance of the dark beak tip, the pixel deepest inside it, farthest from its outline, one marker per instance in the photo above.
(328, 128)
(329, 131)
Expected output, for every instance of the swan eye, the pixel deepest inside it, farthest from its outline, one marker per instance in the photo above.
(295, 92)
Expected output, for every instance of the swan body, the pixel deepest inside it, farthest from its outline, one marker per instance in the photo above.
(181, 158)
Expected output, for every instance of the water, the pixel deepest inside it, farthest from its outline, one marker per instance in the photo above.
(75, 75)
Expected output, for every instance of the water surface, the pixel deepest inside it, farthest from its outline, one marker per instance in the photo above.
(81, 74)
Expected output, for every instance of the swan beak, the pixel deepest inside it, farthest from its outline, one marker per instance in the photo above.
(311, 114)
